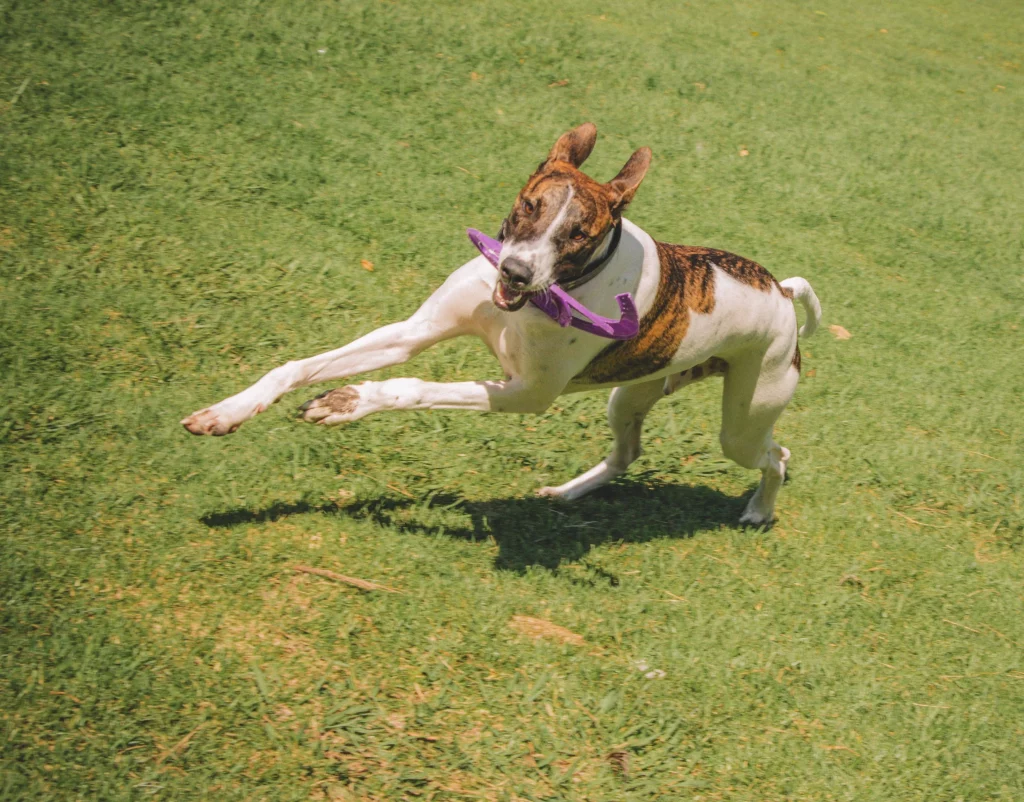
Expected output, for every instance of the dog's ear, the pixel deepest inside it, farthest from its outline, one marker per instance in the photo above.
(574, 146)
(622, 188)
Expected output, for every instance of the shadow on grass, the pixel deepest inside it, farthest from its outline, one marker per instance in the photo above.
(531, 531)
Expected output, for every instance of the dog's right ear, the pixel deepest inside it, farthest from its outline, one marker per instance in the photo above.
(574, 146)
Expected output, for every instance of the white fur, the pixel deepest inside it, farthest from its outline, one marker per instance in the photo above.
(803, 293)
(754, 331)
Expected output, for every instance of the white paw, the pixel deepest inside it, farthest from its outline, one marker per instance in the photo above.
(220, 419)
(555, 493)
(341, 405)
(755, 519)
(754, 515)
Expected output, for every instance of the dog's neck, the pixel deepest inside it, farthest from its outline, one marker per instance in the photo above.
(598, 261)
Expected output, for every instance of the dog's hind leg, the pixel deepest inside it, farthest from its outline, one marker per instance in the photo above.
(627, 408)
(712, 367)
(756, 392)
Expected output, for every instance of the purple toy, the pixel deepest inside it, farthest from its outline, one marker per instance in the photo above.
(558, 305)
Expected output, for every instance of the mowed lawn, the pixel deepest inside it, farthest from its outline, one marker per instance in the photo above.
(192, 193)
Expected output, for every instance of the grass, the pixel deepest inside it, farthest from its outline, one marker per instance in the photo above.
(187, 192)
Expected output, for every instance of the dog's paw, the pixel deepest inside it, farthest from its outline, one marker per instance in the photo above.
(557, 494)
(218, 420)
(753, 515)
(340, 405)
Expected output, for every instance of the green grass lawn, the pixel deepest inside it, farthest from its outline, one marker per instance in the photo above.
(192, 193)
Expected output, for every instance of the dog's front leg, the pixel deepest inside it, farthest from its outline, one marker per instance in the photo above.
(347, 404)
(389, 345)
(448, 313)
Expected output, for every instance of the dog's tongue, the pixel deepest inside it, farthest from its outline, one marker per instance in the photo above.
(507, 299)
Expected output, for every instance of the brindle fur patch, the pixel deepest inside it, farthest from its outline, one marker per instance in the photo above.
(744, 270)
(686, 284)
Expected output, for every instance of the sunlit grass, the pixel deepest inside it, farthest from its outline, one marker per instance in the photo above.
(187, 194)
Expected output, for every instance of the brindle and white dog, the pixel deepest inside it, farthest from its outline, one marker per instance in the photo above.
(702, 312)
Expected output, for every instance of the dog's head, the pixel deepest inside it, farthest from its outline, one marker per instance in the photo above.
(562, 219)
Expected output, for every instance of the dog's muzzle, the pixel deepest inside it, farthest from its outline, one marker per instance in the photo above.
(514, 276)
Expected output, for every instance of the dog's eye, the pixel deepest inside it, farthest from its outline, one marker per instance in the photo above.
(577, 235)
(528, 207)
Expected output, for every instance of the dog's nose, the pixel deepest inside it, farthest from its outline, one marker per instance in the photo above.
(516, 273)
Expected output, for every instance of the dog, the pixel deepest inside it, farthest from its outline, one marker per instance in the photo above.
(703, 313)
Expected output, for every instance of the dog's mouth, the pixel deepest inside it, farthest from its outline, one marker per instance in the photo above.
(508, 299)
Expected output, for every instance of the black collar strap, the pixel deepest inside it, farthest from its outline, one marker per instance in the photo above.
(593, 268)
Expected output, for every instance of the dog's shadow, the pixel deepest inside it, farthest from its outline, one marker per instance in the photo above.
(532, 531)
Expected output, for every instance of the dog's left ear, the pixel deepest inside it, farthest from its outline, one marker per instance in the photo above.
(622, 188)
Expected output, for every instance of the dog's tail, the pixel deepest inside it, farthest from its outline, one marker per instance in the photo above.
(803, 293)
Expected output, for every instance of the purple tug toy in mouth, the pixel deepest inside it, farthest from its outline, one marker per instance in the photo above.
(556, 303)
